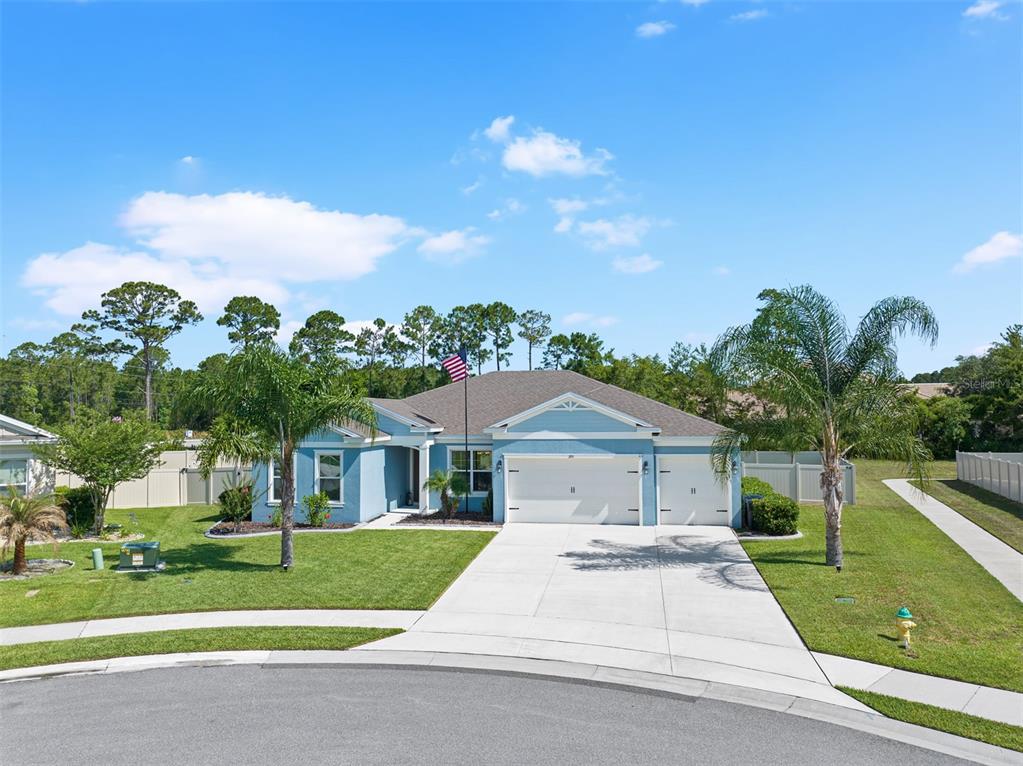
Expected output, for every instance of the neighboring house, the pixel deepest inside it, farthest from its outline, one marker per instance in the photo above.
(176, 481)
(552, 446)
(928, 390)
(19, 467)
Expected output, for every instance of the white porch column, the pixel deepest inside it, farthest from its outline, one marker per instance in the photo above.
(424, 474)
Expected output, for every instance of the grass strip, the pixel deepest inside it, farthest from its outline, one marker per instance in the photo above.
(193, 640)
(999, 515)
(951, 721)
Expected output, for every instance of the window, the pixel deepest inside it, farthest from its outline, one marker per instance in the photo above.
(14, 473)
(328, 475)
(276, 482)
(475, 466)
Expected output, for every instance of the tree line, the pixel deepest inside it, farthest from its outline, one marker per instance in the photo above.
(115, 362)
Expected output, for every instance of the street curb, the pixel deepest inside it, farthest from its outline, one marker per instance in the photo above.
(687, 689)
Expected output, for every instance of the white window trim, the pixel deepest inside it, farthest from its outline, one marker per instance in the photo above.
(22, 487)
(317, 454)
(270, 499)
(473, 448)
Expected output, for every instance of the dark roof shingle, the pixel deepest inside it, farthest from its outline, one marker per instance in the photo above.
(496, 396)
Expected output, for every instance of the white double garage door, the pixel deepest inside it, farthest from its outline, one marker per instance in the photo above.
(608, 489)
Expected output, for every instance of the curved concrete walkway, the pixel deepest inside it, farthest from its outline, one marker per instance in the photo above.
(249, 618)
(1003, 562)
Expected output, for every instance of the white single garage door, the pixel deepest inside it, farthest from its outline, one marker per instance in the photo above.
(573, 489)
(689, 492)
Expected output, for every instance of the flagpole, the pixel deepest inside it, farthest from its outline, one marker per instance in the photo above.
(468, 457)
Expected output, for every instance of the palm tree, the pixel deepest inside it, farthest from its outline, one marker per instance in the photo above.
(279, 398)
(836, 390)
(451, 486)
(25, 516)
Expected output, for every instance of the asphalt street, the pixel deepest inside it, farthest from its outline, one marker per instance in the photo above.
(306, 715)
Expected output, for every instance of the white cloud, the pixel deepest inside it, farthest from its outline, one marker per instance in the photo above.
(500, 129)
(212, 247)
(34, 324)
(640, 264)
(582, 318)
(624, 231)
(544, 154)
(722, 271)
(287, 329)
(654, 28)
(255, 233)
(511, 207)
(985, 9)
(73, 281)
(564, 225)
(568, 206)
(189, 160)
(453, 246)
(475, 185)
(982, 349)
(1000, 247)
(695, 3)
(756, 15)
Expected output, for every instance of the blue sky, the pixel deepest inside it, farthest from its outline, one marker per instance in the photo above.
(665, 161)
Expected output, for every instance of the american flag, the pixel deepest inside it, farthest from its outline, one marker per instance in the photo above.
(456, 366)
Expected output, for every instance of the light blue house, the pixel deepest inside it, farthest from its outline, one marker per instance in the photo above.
(546, 445)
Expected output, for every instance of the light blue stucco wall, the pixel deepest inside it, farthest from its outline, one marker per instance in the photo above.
(391, 426)
(575, 421)
(642, 447)
(396, 476)
(305, 483)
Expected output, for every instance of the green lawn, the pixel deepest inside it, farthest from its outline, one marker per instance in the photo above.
(968, 623)
(406, 569)
(992, 732)
(999, 515)
(197, 640)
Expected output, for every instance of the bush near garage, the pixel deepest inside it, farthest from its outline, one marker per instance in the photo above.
(775, 514)
(751, 485)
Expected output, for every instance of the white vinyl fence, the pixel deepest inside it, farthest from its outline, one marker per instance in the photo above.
(176, 482)
(998, 472)
(796, 475)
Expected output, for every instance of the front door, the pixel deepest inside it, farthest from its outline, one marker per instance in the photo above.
(413, 458)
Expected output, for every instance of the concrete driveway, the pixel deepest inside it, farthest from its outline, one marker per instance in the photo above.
(683, 601)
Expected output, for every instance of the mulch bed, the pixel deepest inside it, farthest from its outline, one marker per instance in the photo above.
(459, 519)
(36, 568)
(227, 528)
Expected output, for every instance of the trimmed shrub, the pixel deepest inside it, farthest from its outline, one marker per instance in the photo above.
(317, 509)
(236, 502)
(78, 507)
(775, 514)
(751, 485)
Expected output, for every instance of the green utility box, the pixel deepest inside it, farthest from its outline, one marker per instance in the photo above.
(140, 555)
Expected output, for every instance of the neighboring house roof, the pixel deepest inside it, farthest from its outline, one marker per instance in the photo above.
(14, 431)
(497, 396)
(928, 390)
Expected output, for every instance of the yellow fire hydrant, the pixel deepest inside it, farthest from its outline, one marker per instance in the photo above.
(904, 622)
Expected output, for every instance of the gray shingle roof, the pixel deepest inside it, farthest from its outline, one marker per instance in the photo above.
(496, 396)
